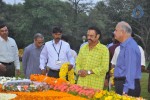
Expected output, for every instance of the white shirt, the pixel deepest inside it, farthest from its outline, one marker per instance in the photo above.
(50, 56)
(74, 54)
(117, 51)
(9, 52)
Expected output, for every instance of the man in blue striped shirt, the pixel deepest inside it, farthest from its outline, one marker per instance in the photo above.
(128, 67)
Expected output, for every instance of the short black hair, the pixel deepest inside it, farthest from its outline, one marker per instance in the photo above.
(57, 30)
(97, 30)
(2, 25)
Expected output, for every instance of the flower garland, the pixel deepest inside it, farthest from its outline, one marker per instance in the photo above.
(46, 95)
(64, 71)
(112, 77)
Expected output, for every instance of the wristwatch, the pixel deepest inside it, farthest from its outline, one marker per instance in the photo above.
(89, 72)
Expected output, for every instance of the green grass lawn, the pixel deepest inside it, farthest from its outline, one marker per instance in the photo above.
(144, 86)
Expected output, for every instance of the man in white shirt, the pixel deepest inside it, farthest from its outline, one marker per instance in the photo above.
(55, 53)
(9, 59)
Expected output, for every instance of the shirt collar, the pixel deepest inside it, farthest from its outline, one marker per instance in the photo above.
(1, 39)
(34, 46)
(125, 42)
(96, 47)
(57, 43)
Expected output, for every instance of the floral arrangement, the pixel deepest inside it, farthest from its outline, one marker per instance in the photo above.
(64, 86)
(46, 95)
(64, 71)
(105, 95)
(26, 87)
(49, 80)
(76, 90)
(8, 79)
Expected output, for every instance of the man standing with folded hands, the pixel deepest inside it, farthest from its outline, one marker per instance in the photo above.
(92, 61)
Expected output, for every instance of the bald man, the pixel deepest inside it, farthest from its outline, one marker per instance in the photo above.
(128, 66)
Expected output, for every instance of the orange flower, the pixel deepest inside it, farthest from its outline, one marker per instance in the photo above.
(48, 80)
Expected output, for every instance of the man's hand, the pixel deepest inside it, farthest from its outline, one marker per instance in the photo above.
(70, 67)
(2, 68)
(43, 72)
(82, 73)
(18, 71)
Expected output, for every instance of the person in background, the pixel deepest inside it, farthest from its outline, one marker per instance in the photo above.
(111, 53)
(9, 59)
(55, 53)
(127, 71)
(148, 70)
(73, 52)
(113, 41)
(31, 56)
(92, 61)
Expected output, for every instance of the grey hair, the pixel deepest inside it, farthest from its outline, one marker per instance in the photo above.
(126, 27)
(38, 35)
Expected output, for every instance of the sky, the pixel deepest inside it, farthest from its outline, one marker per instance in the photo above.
(21, 1)
(13, 1)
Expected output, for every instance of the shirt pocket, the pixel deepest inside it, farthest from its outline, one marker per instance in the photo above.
(13, 48)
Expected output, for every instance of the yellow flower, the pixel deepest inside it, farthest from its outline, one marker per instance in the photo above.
(64, 71)
(20, 52)
(112, 71)
(98, 95)
(108, 98)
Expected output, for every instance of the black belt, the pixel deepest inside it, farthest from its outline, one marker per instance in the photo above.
(120, 78)
(7, 63)
(55, 70)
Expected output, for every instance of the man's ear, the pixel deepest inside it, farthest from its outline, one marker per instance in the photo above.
(98, 36)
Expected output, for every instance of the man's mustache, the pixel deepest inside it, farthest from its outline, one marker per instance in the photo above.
(58, 38)
(90, 40)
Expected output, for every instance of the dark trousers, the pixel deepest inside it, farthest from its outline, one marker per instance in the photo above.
(119, 84)
(10, 70)
(53, 73)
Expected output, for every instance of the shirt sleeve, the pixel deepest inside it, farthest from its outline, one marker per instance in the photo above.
(130, 59)
(70, 56)
(115, 56)
(25, 59)
(43, 57)
(103, 68)
(142, 56)
(114, 59)
(16, 61)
